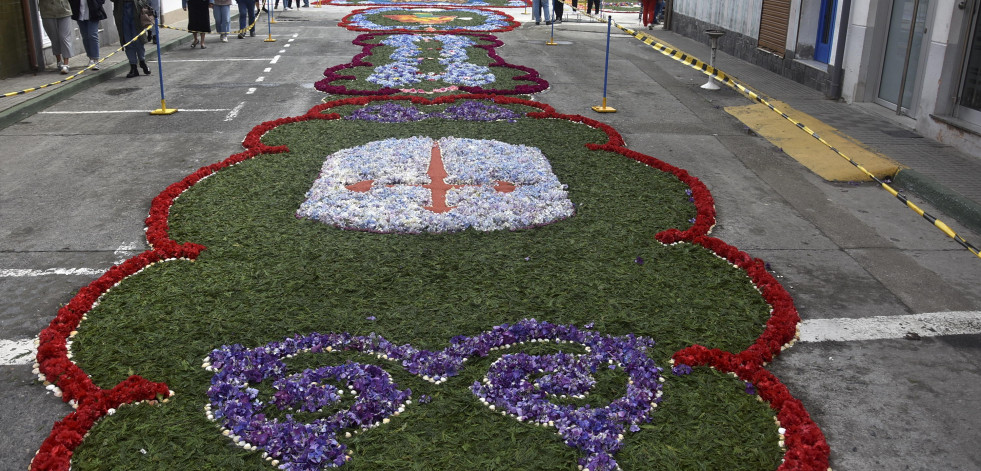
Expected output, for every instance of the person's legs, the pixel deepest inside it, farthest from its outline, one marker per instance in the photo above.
(536, 6)
(226, 18)
(134, 51)
(89, 30)
(244, 19)
(557, 6)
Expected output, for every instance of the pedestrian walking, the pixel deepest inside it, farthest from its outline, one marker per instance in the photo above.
(126, 14)
(557, 7)
(649, 11)
(593, 4)
(536, 11)
(56, 18)
(198, 21)
(87, 14)
(246, 17)
(222, 9)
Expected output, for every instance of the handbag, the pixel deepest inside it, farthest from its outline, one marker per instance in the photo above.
(146, 13)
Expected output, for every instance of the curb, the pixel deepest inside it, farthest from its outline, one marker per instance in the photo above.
(30, 107)
(963, 210)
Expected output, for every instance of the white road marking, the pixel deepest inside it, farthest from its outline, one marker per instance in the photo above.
(290, 40)
(125, 251)
(232, 114)
(282, 51)
(251, 91)
(260, 79)
(287, 45)
(29, 273)
(125, 111)
(275, 59)
(891, 327)
(235, 59)
(267, 70)
(17, 352)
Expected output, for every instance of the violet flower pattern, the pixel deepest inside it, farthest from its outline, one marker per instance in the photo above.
(514, 385)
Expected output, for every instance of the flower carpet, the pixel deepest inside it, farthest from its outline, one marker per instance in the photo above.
(454, 3)
(420, 281)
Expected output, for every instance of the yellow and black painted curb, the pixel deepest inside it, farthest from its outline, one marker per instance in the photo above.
(728, 80)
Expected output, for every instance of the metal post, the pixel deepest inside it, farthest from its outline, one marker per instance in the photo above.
(714, 36)
(606, 71)
(163, 110)
(269, 22)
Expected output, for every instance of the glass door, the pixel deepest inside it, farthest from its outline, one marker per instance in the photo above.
(969, 105)
(902, 55)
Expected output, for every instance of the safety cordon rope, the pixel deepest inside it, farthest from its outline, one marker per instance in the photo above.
(240, 31)
(122, 47)
(721, 76)
(80, 72)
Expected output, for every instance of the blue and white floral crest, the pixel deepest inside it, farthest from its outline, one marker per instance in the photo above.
(418, 184)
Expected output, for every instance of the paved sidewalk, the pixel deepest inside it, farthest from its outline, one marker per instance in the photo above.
(941, 175)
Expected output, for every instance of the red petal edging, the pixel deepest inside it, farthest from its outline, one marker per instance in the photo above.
(331, 75)
(807, 448)
(346, 21)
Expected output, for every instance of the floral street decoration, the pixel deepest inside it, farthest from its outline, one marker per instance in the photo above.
(514, 385)
(422, 3)
(636, 259)
(424, 185)
(429, 64)
(387, 20)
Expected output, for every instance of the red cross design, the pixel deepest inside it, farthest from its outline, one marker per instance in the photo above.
(437, 187)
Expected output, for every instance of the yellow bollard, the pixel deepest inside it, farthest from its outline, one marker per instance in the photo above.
(163, 110)
(604, 108)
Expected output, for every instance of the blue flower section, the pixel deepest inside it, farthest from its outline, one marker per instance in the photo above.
(404, 68)
(392, 198)
(518, 385)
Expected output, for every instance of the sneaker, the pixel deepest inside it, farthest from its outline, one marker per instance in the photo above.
(94, 64)
(224, 38)
(64, 69)
(241, 35)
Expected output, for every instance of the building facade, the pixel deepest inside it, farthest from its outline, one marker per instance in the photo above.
(920, 59)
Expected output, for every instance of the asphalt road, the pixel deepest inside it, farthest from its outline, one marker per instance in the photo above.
(78, 178)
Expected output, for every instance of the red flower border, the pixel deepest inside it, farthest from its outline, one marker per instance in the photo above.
(806, 446)
(346, 23)
(331, 75)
